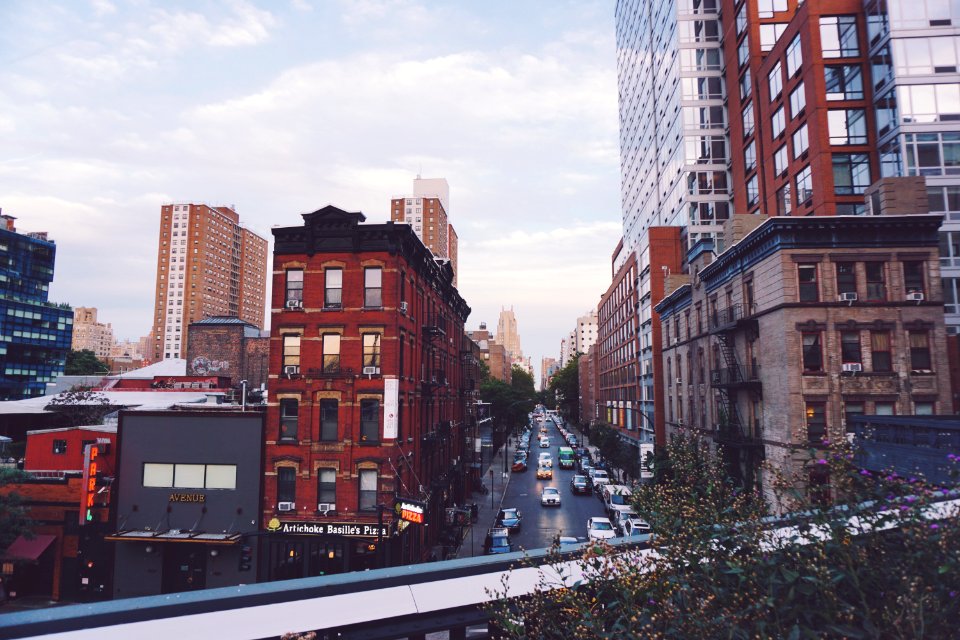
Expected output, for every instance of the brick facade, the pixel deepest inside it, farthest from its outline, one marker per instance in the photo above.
(228, 347)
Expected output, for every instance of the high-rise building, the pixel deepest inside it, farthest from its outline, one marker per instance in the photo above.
(508, 336)
(426, 211)
(207, 265)
(34, 333)
(548, 367)
(90, 335)
(586, 331)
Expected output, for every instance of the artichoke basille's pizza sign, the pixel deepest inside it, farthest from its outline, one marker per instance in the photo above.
(410, 510)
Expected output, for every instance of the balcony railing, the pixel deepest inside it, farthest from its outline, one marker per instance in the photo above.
(735, 376)
(722, 319)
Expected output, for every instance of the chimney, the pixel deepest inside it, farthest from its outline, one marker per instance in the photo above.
(7, 221)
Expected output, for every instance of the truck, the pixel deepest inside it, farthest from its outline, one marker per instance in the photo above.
(566, 458)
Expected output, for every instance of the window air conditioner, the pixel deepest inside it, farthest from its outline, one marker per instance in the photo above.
(679, 380)
(915, 296)
(851, 367)
(849, 296)
(294, 304)
(286, 506)
(371, 371)
(403, 307)
(291, 370)
(326, 507)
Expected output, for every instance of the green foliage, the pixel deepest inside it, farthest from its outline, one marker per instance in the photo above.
(84, 363)
(509, 403)
(619, 454)
(565, 389)
(80, 407)
(858, 558)
(14, 520)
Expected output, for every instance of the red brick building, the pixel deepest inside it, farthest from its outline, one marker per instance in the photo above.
(367, 396)
(228, 346)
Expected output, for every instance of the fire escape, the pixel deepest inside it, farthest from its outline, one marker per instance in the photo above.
(741, 440)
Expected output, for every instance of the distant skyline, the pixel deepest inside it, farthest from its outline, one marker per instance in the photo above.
(111, 109)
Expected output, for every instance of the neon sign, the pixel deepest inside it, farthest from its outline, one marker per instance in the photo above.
(410, 510)
(89, 488)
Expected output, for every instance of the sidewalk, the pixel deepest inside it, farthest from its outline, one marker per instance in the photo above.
(488, 507)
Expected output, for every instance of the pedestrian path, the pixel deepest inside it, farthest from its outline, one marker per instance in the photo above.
(488, 507)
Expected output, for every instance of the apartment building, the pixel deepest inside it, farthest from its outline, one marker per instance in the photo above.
(368, 393)
(427, 211)
(90, 335)
(801, 323)
(207, 265)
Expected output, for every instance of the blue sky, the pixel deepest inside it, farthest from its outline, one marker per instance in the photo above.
(109, 109)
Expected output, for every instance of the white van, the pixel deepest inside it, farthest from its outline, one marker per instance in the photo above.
(600, 478)
(616, 497)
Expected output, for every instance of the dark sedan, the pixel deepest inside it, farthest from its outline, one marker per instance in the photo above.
(509, 519)
(580, 485)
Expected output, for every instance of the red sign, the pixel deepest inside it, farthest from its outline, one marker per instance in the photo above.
(89, 488)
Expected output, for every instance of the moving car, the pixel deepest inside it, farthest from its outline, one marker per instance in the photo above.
(550, 496)
(545, 458)
(544, 472)
(544, 442)
(600, 528)
(509, 519)
(580, 485)
(566, 458)
(497, 541)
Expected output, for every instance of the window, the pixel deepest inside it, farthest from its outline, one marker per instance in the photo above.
(59, 447)
(753, 190)
(157, 475)
(780, 160)
(846, 277)
(368, 489)
(700, 59)
(816, 421)
(809, 287)
(847, 126)
(289, 416)
(876, 286)
(746, 84)
(838, 36)
(777, 122)
(784, 200)
(372, 287)
(880, 351)
(286, 484)
(775, 82)
(331, 352)
(327, 486)
(798, 101)
(765, 8)
(291, 352)
(750, 156)
(371, 350)
(794, 56)
(333, 289)
(843, 82)
(370, 421)
(884, 408)
(850, 347)
(294, 285)
(851, 173)
(188, 476)
(913, 277)
(929, 102)
(748, 125)
(932, 154)
(770, 33)
(801, 141)
(221, 476)
(920, 351)
(742, 18)
(804, 185)
(851, 408)
(923, 408)
(812, 355)
(329, 410)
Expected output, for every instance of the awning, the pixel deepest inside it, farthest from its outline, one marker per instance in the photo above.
(24, 549)
(175, 535)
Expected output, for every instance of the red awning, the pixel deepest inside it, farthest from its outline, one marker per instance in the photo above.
(24, 549)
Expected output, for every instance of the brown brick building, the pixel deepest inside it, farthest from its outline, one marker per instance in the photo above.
(207, 265)
(799, 324)
(368, 397)
(228, 346)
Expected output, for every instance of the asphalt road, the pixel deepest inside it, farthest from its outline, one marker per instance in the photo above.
(541, 524)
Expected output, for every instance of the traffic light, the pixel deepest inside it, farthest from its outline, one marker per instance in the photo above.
(246, 558)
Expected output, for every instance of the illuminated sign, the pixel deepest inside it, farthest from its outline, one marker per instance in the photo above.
(187, 497)
(409, 510)
(344, 529)
(89, 488)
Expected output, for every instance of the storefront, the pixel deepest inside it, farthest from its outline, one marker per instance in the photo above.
(305, 549)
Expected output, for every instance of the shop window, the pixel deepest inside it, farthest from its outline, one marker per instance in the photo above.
(329, 416)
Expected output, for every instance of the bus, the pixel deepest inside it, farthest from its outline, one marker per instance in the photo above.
(566, 458)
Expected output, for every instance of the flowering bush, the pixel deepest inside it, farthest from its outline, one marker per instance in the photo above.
(858, 557)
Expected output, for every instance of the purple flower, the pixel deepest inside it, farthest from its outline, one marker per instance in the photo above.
(821, 461)
(934, 526)
(911, 498)
(651, 601)
(904, 508)
(953, 594)
(864, 472)
(912, 479)
(826, 441)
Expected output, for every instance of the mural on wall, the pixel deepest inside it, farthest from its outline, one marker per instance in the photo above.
(202, 366)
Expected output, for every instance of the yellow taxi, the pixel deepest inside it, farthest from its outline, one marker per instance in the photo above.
(544, 472)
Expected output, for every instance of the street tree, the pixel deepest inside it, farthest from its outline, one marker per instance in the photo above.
(565, 388)
(859, 557)
(84, 363)
(14, 518)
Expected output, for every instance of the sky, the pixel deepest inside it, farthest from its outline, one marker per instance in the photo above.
(110, 109)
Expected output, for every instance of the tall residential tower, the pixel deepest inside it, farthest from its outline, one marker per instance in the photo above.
(426, 211)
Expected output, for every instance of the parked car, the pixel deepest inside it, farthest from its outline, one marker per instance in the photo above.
(585, 467)
(616, 497)
(550, 496)
(600, 528)
(580, 485)
(519, 465)
(635, 527)
(620, 519)
(599, 478)
(544, 473)
(509, 518)
(497, 541)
